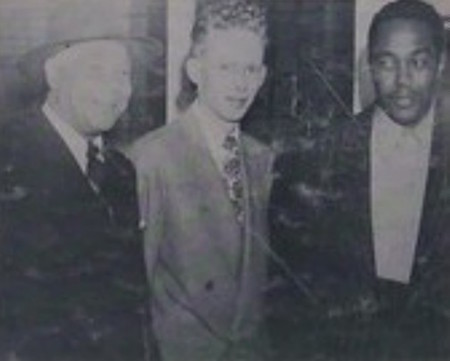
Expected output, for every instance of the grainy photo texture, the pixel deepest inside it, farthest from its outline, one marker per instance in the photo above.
(224, 180)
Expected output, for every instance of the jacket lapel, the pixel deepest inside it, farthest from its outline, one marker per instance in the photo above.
(206, 168)
(238, 244)
(63, 183)
(357, 150)
(257, 165)
(434, 201)
(436, 196)
(208, 179)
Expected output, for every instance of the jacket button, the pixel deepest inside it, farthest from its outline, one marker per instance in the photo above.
(209, 286)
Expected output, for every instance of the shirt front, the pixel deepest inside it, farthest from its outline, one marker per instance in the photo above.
(399, 171)
(77, 144)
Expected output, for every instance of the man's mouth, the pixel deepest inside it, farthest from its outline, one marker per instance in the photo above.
(237, 101)
(403, 100)
(119, 107)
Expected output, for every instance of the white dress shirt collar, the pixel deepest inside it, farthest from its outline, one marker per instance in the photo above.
(76, 143)
(394, 132)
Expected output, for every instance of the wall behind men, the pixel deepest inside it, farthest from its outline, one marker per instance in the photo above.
(180, 17)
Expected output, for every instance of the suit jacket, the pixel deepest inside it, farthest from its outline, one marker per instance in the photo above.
(366, 317)
(206, 273)
(72, 271)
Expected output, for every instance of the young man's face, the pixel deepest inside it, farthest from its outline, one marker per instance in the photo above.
(228, 72)
(98, 89)
(405, 67)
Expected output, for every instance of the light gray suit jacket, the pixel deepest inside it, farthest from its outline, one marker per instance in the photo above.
(206, 272)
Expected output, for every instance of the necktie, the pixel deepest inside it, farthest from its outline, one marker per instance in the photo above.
(232, 171)
(113, 178)
(96, 168)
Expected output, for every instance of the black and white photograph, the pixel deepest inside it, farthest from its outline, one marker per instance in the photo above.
(224, 180)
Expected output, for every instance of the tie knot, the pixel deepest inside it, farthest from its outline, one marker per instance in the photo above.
(95, 153)
(95, 165)
(231, 141)
(93, 150)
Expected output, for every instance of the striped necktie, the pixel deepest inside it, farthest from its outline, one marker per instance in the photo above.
(96, 168)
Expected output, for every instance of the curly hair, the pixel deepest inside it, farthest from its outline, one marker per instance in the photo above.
(226, 14)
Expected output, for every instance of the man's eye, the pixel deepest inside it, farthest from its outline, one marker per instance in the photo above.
(385, 63)
(253, 69)
(225, 67)
(421, 62)
(240, 70)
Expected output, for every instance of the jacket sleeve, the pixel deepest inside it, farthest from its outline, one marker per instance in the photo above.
(151, 209)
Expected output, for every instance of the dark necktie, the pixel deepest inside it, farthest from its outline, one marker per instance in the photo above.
(97, 173)
(96, 167)
(113, 178)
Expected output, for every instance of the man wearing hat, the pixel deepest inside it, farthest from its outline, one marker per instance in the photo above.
(72, 277)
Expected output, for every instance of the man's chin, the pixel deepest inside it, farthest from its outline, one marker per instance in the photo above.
(105, 125)
(234, 116)
(405, 117)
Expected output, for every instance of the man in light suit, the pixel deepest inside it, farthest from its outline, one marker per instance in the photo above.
(382, 267)
(203, 195)
(72, 277)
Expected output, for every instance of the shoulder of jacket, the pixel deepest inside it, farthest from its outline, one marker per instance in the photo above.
(257, 148)
(17, 131)
(355, 129)
(155, 146)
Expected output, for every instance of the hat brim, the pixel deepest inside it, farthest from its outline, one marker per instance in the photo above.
(145, 54)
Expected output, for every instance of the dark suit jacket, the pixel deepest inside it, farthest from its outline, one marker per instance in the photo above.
(72, 273)
(206, 276)
(365, 317)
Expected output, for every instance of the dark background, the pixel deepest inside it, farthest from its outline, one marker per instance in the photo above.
(309, 92)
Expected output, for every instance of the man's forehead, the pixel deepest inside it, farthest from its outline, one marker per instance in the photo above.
(397, 33)
(233, 41)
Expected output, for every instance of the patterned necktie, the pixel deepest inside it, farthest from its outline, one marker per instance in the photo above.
(232, 171)
(95, 166)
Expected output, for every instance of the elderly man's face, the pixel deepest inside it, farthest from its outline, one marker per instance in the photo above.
(97, 87)
(405, 68)
(229, 72)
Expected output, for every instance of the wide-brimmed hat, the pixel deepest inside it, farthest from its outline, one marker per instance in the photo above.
(72, 22)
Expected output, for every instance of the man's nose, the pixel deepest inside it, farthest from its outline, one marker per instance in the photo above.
(403, 74)
(122, 88)
(240, 81)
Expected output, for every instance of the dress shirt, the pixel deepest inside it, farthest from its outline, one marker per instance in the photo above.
(399, 172)
(77, 144)
(215, 131)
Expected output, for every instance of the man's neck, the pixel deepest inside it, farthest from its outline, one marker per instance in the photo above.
(427, 117)
(205, 113)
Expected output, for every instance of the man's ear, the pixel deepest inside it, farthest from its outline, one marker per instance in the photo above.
(193, 69)
(442, 61)
(52, 72)
(263, 75)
